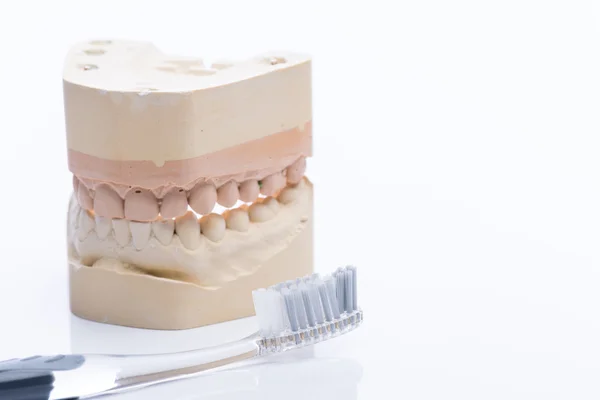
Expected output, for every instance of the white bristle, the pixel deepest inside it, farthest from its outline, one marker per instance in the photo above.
(277, 312)
(261, 307)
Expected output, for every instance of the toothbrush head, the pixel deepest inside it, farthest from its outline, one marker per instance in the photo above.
(308, 310)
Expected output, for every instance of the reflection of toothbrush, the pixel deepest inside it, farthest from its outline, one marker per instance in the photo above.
(290, 315)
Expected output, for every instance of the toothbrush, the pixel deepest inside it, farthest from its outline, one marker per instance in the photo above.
(290, 315)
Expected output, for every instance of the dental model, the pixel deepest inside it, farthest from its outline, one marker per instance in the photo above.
(189, 186)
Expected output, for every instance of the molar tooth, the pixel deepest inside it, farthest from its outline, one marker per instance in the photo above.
(237, 220)
(83, 197)
(272, 183)
(140, 233)
(272, 204)
(163, 230)
(86, 224)
(213, 227)
(288, 195)
(107, 203)
(122, 233)
(301, 185)
(174, 204)
(249, 190)
(228, 194)
(296, 171)
(203, 198)
(260, 212)
(103, 226)
(141, 205)
(188, 230)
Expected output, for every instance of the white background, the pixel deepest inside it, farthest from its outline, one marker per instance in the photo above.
(455, 162)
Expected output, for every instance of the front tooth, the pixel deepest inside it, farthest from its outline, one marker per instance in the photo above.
(237, 220)
(86, 224)
(288, 195)
(75, 184)
(163, 230)
(103, 226)
(83, 197)
(203, 198)
(188, 230)
(249, 190)
(108, 203)
(174, 204)
(141, 205)
(260, 212)
(121, 229)
(272, 204)
(228, 194)
(74, 212)
(140, 233)
(296, 171)
(213, 227)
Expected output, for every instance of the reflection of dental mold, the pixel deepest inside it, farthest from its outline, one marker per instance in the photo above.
(293, 379)
(88, 337)
(311, 374)
(154, 143)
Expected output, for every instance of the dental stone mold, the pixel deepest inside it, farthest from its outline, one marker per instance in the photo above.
(188, 182)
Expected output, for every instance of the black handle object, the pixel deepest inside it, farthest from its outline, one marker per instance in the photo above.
(32, 378)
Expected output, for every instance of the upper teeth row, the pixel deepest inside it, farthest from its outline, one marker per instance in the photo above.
(141, 205)
(187, 227)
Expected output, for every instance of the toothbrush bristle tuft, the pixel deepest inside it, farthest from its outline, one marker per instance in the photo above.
(308, 309)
